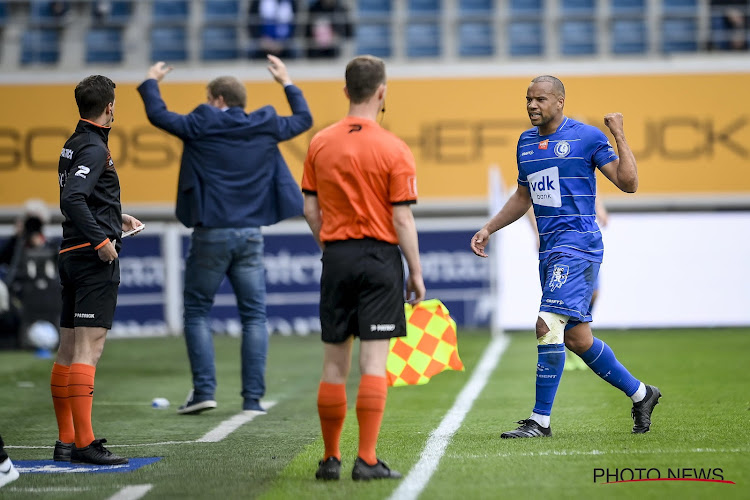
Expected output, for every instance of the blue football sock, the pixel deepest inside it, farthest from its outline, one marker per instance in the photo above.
(549, 369)
(602, 360)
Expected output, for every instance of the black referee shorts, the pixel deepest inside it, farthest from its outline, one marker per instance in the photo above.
(89, 290)
(362, 291)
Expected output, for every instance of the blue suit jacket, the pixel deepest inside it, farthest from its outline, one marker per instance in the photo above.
(232, 172)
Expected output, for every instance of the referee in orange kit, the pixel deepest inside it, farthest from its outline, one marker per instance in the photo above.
(359, 183)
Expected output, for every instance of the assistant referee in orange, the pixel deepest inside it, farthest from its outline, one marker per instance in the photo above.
(359, 183)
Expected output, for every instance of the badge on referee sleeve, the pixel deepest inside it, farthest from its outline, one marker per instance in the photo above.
(430, 345)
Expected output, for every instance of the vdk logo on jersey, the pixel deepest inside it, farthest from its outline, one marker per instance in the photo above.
(545, 187)
(559, 277)
(562, 149)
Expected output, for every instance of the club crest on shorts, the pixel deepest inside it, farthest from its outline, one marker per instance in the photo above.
(562, 149)
(559, 277)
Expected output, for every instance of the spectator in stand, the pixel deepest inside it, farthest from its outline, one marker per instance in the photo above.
(327, 26)
(729, 20)
(272, 26)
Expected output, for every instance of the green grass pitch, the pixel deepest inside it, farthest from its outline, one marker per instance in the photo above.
(703, 421)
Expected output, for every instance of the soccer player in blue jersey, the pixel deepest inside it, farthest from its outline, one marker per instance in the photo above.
(556, 160)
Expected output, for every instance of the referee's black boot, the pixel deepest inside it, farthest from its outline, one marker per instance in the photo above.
(330, 468)
(96, 454)
(363, 471)
(62, 451)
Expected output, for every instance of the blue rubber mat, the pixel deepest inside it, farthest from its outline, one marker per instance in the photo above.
(52, 467)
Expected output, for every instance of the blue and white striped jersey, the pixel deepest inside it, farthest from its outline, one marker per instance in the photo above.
(559, 171)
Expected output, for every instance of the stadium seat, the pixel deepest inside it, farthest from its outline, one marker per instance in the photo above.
(221, 11)
(41, 14)
(526, 7)
(168, 44)
(675, 7)
(423, 40)
(525, 38)
(168, 11)
(103, 45)
(637, 7)
(374, 39)
(40, 46)
(219, 43)
(3, 13)
(374, 8)
(475, 39)
(584, 7)
(577, 38)
(629, 36)
(424, 7)
(475, 7)
(679, 35)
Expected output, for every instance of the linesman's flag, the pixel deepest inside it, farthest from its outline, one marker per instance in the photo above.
(430, 345)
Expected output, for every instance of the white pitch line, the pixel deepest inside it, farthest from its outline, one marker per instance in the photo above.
(133, 492)
(50, 489)
(420, 474)
(570, 453)
(230, 425)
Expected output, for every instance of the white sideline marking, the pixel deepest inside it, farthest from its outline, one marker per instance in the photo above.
(439, 439)
(570, 453)
(133, 492)
(230, 425)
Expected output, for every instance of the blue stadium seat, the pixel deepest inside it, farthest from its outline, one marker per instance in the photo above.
(526, 7)
(473, 7)
(629, 36)
(169, 44)
(374, 8)
(423, 40)
(41, 14)
(577, 38)
(374, 39)
(170, 11)
(475, 39)
(221, 11)
(219, 43)
(3, 13)
(673, 7)
(103, 45)
(679, 35)
(586, 7)
(525, 38)
(40, 46)
(424, 7)
(628, 7)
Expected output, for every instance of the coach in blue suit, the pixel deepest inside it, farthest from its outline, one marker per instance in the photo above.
(232, 180)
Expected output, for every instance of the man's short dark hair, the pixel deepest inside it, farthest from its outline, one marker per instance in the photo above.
(93, 94)
(557, 86)
(231, 89)
(364, 74)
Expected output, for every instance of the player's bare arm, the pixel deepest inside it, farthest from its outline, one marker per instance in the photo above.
(622, 172)
(517, 205)
(406, 229)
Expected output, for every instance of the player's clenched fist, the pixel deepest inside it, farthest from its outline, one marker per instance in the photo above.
(613, 121)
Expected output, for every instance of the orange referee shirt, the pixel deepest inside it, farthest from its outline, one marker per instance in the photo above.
(359, 170)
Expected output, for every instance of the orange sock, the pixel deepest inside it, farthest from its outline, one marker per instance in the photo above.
(59, 388)
(332, 411)
(370, 407)
(81, 395)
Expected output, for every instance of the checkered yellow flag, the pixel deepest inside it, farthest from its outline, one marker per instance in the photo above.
(430, 345)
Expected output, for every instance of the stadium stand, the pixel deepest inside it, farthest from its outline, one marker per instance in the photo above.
(193, 31)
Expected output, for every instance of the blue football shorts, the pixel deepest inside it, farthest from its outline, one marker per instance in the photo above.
(567, 285)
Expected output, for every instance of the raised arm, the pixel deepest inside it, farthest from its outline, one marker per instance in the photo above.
(517, 205)
(301, 119)
(622, 172)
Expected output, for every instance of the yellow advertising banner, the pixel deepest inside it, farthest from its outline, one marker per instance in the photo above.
(688, 136)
